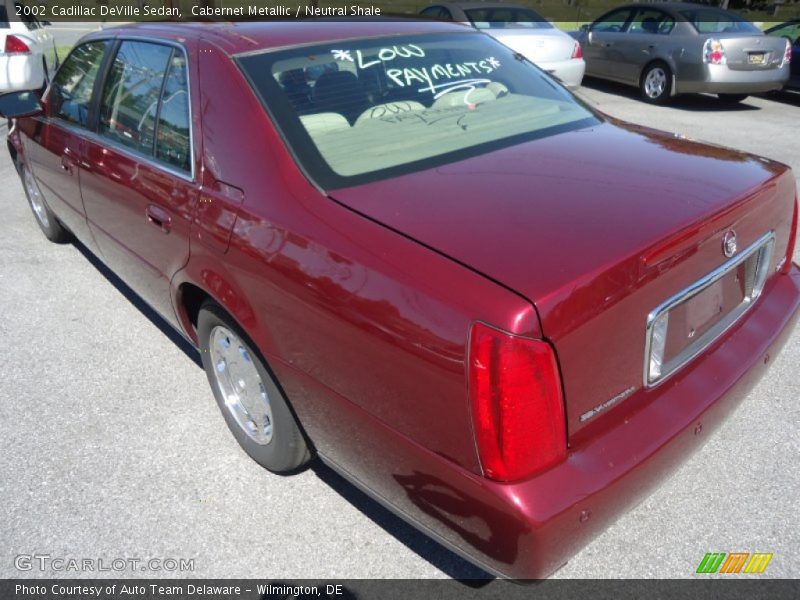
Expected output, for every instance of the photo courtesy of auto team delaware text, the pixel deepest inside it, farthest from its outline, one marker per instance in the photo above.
(327, 291)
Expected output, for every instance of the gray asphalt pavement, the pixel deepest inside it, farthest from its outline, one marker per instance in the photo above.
(112, 445)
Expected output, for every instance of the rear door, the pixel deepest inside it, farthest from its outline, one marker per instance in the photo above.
(646, 39)
(139, 187)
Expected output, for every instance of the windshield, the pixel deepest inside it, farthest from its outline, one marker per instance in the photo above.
(506, 18)
(711, 20)
(360, 110)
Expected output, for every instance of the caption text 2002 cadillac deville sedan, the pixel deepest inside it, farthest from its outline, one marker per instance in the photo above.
(403, 248)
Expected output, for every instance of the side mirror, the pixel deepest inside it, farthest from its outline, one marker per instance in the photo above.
(585, 27)
(15, 105)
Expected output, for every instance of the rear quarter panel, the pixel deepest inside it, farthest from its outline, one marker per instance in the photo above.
(349, 314)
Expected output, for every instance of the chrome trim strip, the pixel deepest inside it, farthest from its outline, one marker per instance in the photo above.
(764, 246)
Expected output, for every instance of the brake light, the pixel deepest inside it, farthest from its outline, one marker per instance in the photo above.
(517, 404)
(714, 53)
(15, 45)
(787, 264)
(577, 52)
(787, 54)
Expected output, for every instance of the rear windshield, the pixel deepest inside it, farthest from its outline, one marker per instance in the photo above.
(711, 20)
(361, 110)
(506, 18)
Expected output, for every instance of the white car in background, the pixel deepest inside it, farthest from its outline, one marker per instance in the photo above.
(27, 50)
(524, 31)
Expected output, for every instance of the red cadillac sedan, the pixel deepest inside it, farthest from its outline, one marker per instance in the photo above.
(404, 249)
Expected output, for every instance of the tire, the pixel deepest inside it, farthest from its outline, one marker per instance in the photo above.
(51, 227)
(261, 420)
(655, 84)
(732, 98)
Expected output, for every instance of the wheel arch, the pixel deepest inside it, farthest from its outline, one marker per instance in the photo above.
(651, 62)
(205, 279)
(190, 298)
(666, 60)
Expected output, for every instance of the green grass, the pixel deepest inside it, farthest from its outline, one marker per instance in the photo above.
(62, 52)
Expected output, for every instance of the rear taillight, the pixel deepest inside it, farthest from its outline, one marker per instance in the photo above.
(714, 53)
(787, 54)
(517, 404)
(577, 52)
(787, 264)
(14, 45)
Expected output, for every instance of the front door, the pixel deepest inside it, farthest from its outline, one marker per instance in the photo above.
(54, 157)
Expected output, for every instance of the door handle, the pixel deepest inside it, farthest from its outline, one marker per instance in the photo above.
(159, 217)
(67, 162)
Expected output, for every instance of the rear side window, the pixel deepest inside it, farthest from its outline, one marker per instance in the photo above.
(128, 110)
(3, 17)
(72, 86)
(652, 21)
(172, 129)
(712, 20)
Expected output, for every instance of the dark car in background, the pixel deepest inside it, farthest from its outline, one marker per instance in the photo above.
(790, 30)
(667, 49)
(403, 250)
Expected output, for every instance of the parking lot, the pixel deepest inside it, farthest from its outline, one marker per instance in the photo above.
(113, 446)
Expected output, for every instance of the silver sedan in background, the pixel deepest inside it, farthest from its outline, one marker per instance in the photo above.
(677, 48)
(521, 29)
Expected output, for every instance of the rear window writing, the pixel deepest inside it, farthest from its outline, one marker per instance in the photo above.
(368, 109)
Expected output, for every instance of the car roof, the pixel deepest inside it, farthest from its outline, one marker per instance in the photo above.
(250, 36)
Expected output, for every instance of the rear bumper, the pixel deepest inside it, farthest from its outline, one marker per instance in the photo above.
(569, 72)
(527, 530)
(719, 79)
(20, 72)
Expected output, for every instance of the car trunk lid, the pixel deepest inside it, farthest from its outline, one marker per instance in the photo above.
(596, 227)
(538, 45)
(753, 52)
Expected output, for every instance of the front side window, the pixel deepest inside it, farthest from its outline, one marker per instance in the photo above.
(613, 22)
(358, 111)
(651, 21)
(172, 130)
(506, 18)
(432, 12)
(71, 90)
(129, 102)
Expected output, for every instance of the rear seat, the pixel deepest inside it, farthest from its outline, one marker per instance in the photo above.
(324, 122)
(389, 109)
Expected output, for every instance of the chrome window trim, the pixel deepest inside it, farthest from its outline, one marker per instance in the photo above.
(764, 246)
(95, 137)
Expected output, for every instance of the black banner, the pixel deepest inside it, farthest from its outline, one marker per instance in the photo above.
(564, 11)
(253, 589)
